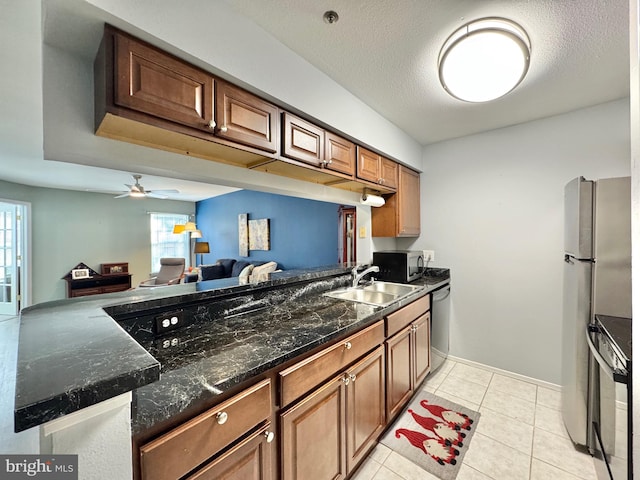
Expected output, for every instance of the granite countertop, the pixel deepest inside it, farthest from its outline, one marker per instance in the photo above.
(98, 347)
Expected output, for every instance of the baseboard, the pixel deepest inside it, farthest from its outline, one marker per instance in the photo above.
(506, 373)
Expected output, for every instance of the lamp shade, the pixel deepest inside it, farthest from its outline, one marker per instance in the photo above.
(190, 227)
(196, 234)
(201, 247)
(178, 228)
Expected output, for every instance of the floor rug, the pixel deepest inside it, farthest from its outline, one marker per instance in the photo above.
(433, 433)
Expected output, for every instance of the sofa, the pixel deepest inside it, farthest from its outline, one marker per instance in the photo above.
(230, 267)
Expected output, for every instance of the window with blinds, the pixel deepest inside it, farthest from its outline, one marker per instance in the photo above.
(165, 243)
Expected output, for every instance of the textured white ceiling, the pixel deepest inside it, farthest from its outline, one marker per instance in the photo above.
(385, 52)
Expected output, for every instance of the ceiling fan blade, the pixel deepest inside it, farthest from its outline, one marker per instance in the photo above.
(125, 194)
(162, 192)
(154, 194)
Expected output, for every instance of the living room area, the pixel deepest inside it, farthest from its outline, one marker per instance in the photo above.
(67, 228)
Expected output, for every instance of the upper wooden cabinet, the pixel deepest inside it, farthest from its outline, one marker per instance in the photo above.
(305, 142)
(302, 140)
(400, 215)
(340, 154)
(244, 118)
(156, 83)
(377, 169)
(151, 98)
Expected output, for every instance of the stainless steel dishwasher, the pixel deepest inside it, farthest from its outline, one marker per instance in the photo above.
(440, 307)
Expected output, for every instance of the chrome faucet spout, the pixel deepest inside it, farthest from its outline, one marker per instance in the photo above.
(358, 276)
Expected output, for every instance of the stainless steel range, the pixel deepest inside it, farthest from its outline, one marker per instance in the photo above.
(609, 340)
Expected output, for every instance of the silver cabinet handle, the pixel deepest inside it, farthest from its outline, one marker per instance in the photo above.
(347, 346)
(222, 418)
(211, 124)
(346, 379)
(352, 377)
(269, 436)
(223, 129)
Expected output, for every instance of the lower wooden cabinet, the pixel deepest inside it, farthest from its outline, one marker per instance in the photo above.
(181, 450)
(250, 460)
(366, 415)
(408, 362)
(326, 434)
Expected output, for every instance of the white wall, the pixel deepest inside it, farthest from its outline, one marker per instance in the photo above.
(71, 227)
(492, 208)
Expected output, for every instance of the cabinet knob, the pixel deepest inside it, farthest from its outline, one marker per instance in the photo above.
(346, 379)
(347, 346)
(269, 436)
(352, 377)
(328, 162)
(211, 124)
(381, 181)
(223, 129)
(222, 418)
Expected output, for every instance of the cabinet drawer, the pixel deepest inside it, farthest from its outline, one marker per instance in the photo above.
(308, 374)
(397, 320)
(182, 449)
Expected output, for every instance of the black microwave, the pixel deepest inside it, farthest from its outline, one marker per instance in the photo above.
(402, 266)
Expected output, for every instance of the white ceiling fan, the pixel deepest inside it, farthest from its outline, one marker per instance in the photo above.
(137, 191)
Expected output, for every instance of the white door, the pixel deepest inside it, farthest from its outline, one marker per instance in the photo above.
(9, 258)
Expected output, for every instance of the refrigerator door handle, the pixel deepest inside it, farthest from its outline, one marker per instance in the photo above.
(604, 366)
(568, 258)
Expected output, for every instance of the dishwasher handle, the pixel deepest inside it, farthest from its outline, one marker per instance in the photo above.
(441, 293)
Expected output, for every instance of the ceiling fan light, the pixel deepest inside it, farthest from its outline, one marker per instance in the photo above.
(484, 60)
(136, 194)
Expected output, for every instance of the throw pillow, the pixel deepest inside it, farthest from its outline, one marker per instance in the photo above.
(246, 271)
(212, 272)
(260, 272)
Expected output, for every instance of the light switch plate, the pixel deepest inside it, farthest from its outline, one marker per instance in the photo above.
(363, 232)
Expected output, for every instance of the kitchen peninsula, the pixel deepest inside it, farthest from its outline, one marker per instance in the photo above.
(233, 338)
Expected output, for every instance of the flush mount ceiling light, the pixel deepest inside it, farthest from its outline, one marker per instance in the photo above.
(484, 60)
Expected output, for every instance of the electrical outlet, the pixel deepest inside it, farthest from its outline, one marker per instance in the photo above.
(428, 255)
(169, 321)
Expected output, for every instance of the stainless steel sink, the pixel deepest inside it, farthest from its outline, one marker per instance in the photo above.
(378, 293)
(397, 289)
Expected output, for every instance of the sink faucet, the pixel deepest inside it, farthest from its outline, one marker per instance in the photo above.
(358, 276)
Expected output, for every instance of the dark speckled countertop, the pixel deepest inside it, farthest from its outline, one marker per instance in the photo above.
(98, 347)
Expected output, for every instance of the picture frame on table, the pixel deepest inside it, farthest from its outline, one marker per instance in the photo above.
(79, 273)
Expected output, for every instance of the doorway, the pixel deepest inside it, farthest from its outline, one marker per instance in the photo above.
(12, 248)
(347, 240)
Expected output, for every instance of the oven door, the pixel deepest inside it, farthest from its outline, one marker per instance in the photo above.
(608, 431)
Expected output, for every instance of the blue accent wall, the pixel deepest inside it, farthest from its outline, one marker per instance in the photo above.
(304, 233)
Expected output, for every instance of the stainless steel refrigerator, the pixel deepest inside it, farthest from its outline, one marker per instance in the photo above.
(596, 280)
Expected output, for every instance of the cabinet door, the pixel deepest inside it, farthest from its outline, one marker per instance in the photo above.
(399, 371)
(366, 415)
(422, 348)
(388, 173)
(156, 83)
(340, 154)
(244, 118)
(368, 166)
(250, 460)
(408, 202)
(302, 140)
(313, 435)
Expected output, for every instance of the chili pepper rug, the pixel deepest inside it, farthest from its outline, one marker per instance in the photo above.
(433, 433)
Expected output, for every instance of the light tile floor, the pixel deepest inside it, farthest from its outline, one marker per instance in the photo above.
(520, 435)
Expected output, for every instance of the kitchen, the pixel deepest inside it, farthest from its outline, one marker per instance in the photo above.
(491, 202)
